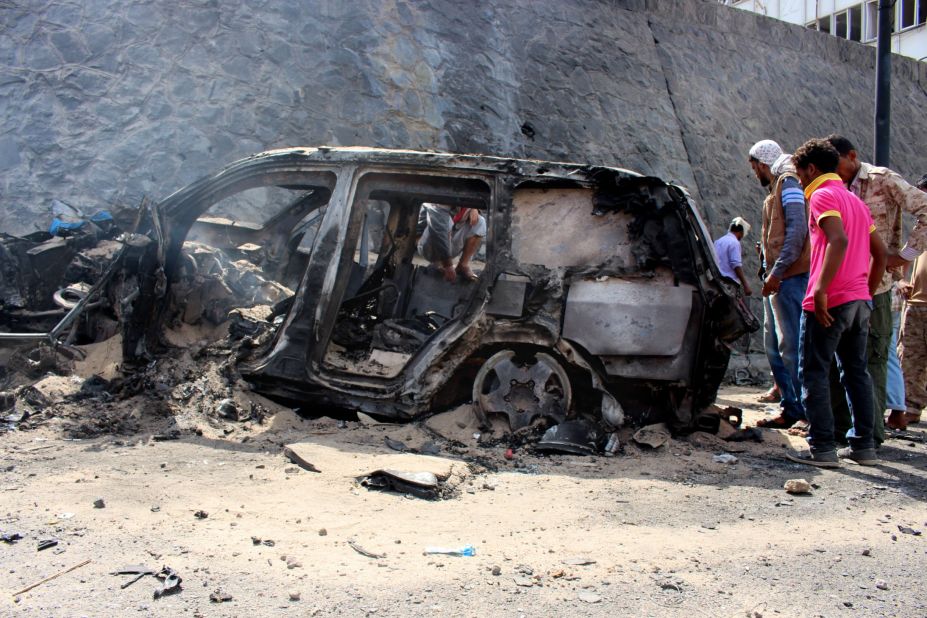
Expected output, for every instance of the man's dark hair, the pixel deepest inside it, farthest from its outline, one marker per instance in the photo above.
(737, 228)
(842, 144)
(922, 183)
(817, 152)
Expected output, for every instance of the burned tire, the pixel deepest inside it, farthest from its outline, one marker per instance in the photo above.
(523, 388)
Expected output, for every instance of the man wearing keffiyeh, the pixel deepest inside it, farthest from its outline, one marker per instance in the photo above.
(786, 254)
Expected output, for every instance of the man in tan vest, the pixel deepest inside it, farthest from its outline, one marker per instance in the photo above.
(786, 259)
(887, 195)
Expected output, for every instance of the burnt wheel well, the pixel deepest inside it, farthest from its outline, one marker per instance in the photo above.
(458, 389)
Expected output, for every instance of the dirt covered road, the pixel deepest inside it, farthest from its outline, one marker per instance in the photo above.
(664, 532)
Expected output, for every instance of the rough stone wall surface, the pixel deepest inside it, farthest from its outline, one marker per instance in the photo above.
(106, 101)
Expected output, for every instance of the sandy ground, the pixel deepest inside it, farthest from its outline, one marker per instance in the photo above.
(663, 532)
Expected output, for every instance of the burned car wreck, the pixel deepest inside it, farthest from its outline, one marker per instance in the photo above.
(597, 294)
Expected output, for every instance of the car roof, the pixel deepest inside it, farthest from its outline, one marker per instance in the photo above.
(433, 158)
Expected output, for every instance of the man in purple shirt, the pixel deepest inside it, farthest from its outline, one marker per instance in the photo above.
(727, 248)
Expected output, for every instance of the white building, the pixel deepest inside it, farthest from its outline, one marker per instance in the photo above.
(851, 19)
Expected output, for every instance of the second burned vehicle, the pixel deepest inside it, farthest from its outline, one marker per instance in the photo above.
(597, 291)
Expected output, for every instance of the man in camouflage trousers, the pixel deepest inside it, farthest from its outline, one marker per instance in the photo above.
(886, 194)
(912, 346)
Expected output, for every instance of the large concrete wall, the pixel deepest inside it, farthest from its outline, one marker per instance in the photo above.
(105, 101)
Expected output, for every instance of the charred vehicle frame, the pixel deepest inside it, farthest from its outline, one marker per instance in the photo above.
(598, 293)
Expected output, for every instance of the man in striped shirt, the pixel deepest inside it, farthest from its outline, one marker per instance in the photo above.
(784, 242)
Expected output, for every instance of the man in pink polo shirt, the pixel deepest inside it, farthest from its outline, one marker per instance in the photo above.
(847, 262)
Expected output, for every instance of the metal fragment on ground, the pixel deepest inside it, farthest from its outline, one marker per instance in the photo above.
(300, 461)
(574, 437)
(170, 582)
(419, 484)
(364, 552)
(654, 436)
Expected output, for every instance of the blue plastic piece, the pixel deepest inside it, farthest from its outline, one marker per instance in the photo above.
(58, 225)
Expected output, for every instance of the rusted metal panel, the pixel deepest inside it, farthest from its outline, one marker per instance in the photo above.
(557, 228)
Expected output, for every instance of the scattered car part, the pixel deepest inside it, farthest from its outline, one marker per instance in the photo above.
(363, 552)
(170, 582)
(419, 484)
(47, 544)
(653, 436)
(574, 437)
(299, 460)
(139, 571)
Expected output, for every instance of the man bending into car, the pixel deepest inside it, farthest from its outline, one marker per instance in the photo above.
(447, 232)
(836, 307)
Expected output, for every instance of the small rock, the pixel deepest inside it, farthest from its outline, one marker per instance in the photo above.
(293, 563)
(797, 486)
(201, 514)
(867, 552)
(294, 595)
(525, 582)
(881, 584)
(496, 570)
(323, 532)
(908, 530)
(268, 543)
(588, 597)
(255, 540)
(155, 508)
(99, 503)
(220, 597)
(724, 458)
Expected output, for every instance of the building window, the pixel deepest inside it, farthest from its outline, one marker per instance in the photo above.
(907, 12)
(824, 24)
(911, 13)
(841, 21)
(872, 21)
(812, 25)
(856, 23)
(848, 24)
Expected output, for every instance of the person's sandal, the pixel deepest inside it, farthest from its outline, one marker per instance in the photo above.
(779, 422)
(800, 429)
(770, 396)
